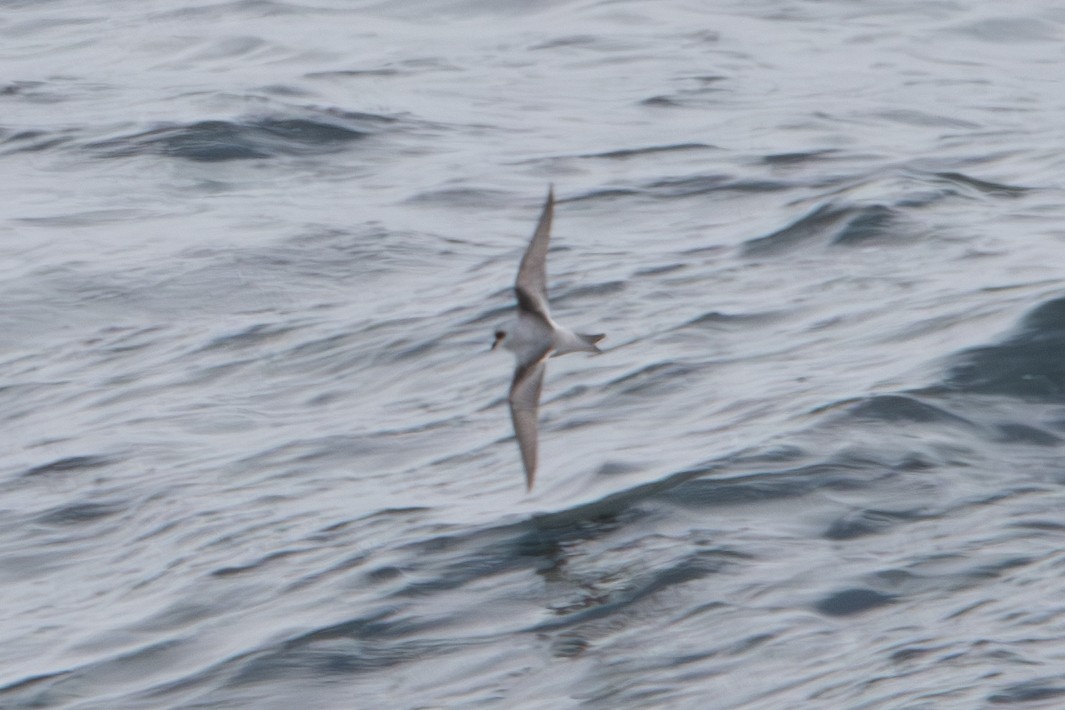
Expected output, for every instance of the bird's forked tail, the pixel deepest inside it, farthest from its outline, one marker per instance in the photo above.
(592, 340)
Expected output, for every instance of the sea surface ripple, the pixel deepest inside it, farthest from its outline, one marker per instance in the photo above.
(255, 449)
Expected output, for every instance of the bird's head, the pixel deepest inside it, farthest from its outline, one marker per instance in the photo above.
(500, 335)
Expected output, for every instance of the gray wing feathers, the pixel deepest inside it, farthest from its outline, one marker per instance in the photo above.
(531, 284)
(524, 408)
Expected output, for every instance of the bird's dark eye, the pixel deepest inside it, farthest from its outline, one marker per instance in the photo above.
(500, 335)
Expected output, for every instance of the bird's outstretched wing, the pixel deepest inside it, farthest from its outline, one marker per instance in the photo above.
(524, 407)
(531, 284)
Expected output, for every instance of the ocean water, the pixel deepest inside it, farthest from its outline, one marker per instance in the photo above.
(256, 452)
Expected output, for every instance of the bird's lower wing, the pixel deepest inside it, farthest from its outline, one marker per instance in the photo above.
(524, 408)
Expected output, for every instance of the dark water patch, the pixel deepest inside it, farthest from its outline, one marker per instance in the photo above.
(757, 186)
(657, 270)
(922, 119)
(797, 158)
(699, 251)
(862, 523)
(14, 398)
(617, 468)
(690, 185)
(408, 349)
(364, 645)
(608, 193)
(80, 513)
(37, 697)
(829, 224)
(548, 534)
(34, 141)
(604, 288)
(86, 218)
(380, 625)
(462, 196)
(749, 474)
(1029, 691)
(853, 601)
(265, 137)
(626, 153)
(17, 88)
(895, 408)
(326, 345)
(321, 664)
(497, 314)
(36, 92)
(284, 90)
(871, 222)
(320, 661)
(913, 461)
(703, 184)
(451, 561)
(69, 464)
(258, 564)
(807, 228)
(1013, 433)
(383, 575)
(595, 42)
(122, 341)
(350, 562)
(199, 376)
(994, 570)
(984, 187)
(936, 573)
(245, 9)
(447, 560)
(59, 689)
(716, 320)
(1054, 526)
(569, 645)
(383, 517)
(615, 603)
(911, 653)
(354, 73)
(760, 487)
(251, 336)
(694, 95)
(1009, 29)
(659, 377)
(1029, 365)
(661, 101)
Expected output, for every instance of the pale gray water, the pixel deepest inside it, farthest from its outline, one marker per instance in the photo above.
(256, 453)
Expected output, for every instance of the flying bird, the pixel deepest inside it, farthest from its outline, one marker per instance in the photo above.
(534, 337)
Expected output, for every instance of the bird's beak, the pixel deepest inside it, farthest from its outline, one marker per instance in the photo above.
(495, 344)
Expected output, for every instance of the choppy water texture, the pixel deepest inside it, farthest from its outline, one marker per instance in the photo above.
(256, 452)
